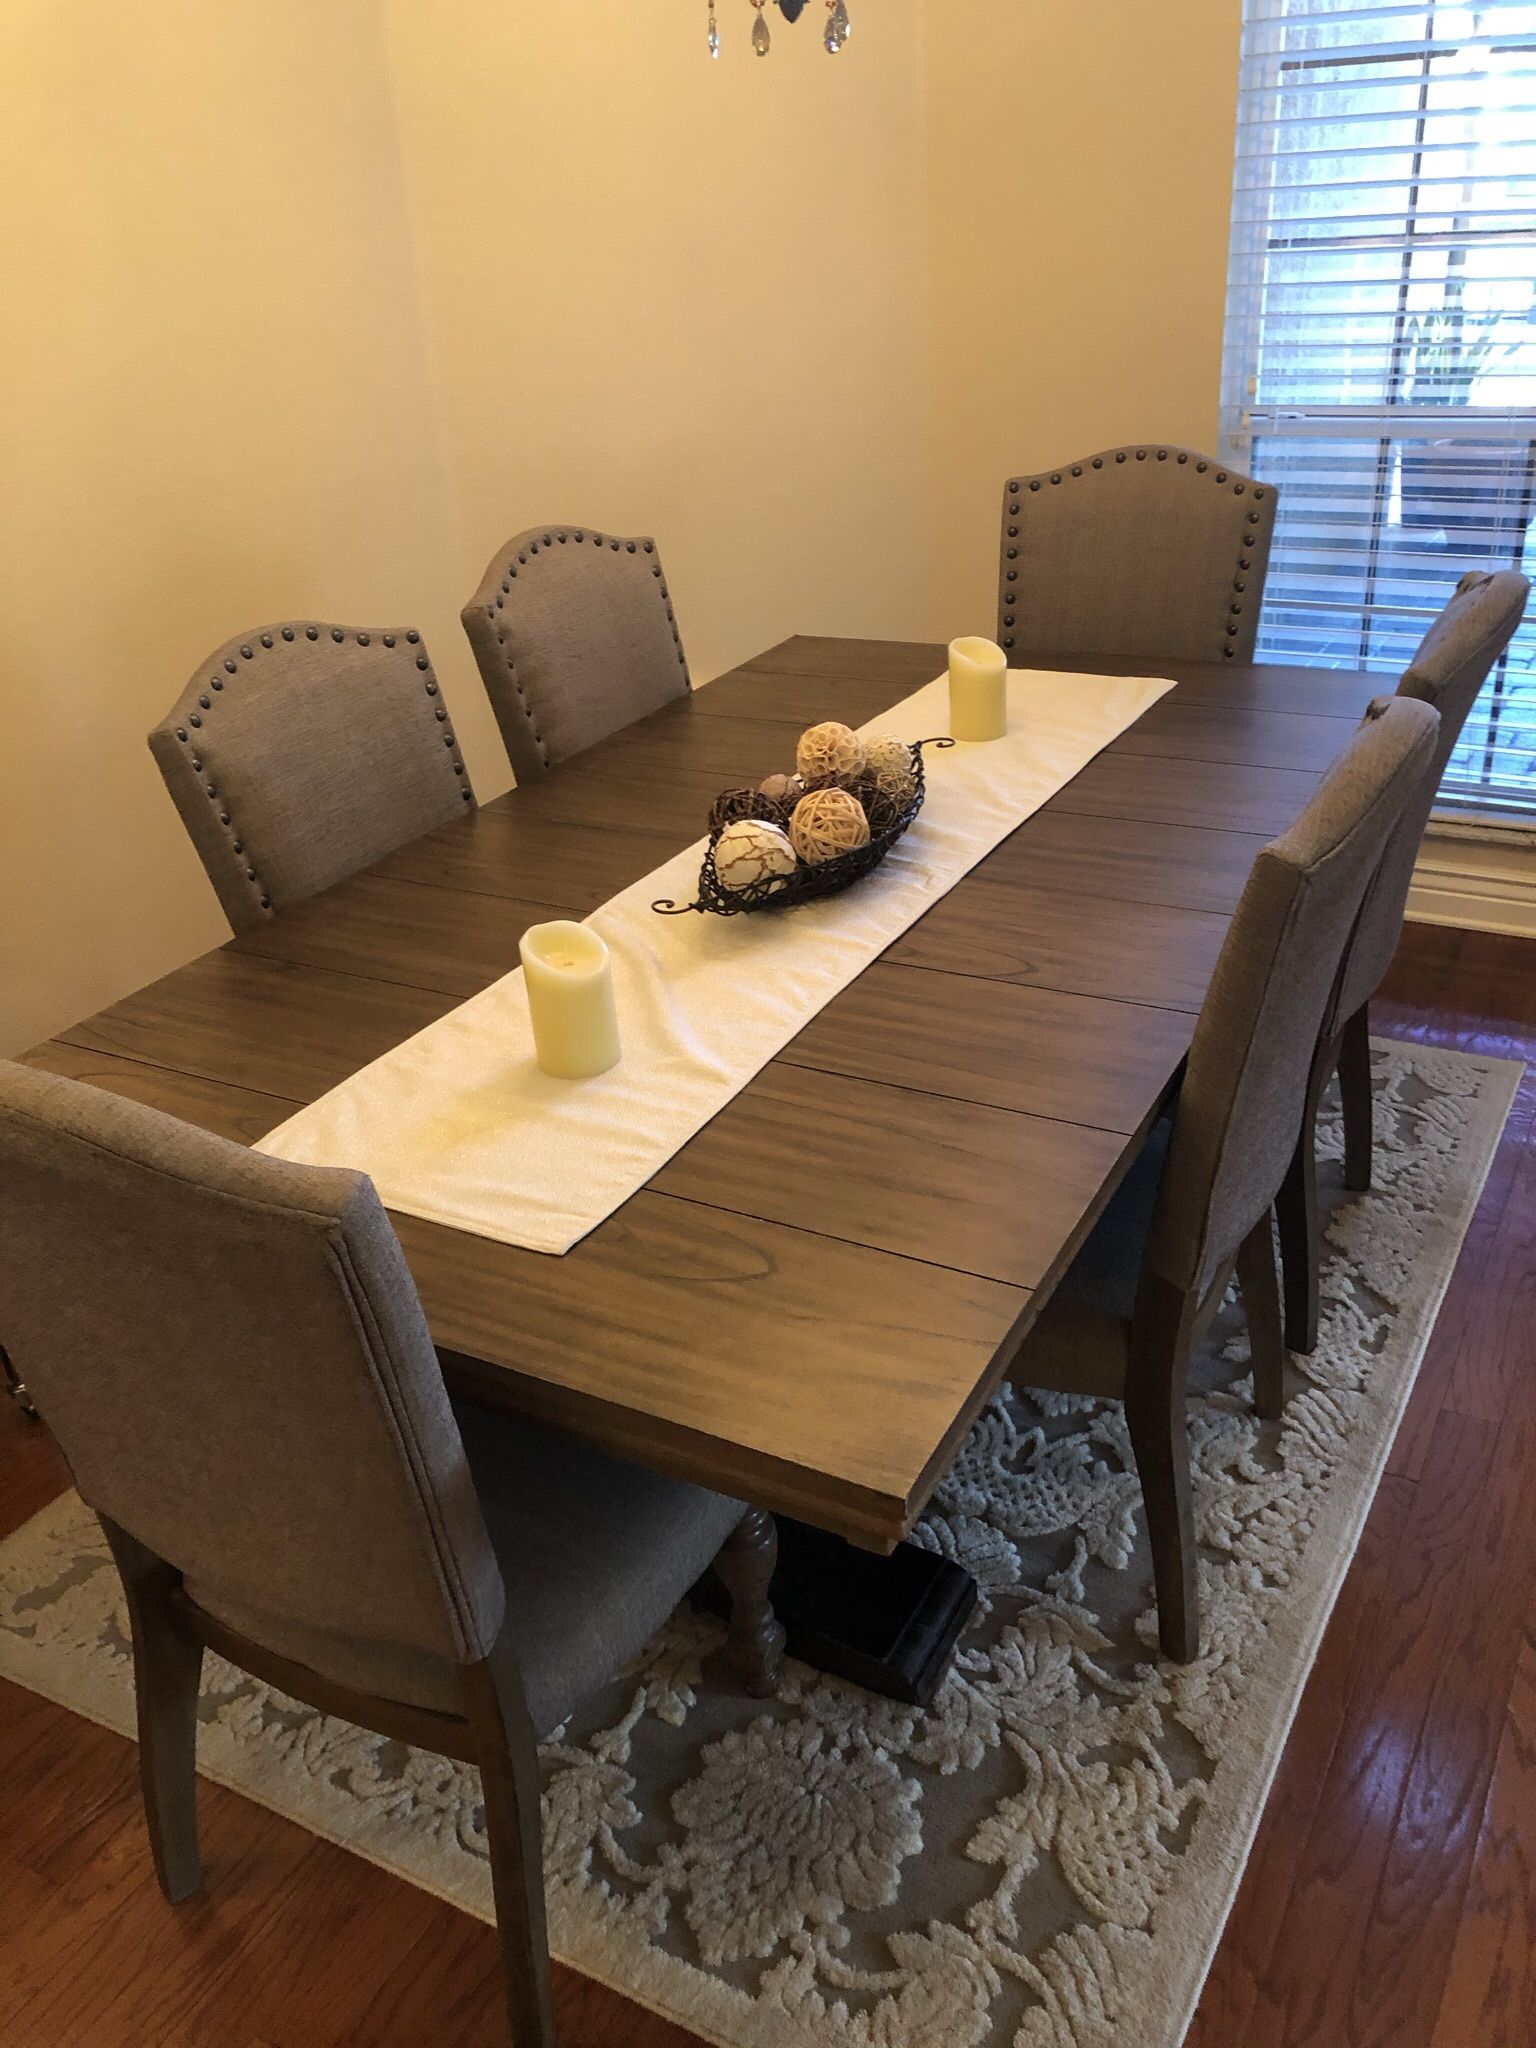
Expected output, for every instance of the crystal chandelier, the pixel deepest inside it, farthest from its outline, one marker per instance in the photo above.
(834, 36)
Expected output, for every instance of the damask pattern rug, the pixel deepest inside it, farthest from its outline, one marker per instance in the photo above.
(1042, 1859)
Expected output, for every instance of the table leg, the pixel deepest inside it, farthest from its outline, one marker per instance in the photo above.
(887, 1623)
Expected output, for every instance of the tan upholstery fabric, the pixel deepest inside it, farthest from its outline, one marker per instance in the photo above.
(1454, 660)
(1240, 1107)
(1145, 553)
(233, 1358)
(576, 637)
(302, 752)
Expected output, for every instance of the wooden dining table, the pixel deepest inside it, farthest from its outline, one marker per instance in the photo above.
(810, 1303)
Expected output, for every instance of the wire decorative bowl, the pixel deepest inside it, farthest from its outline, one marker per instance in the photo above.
(889, 817)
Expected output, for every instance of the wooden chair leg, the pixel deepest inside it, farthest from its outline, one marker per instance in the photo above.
(1156, 1414)
(1355, 1091)
(745, 1567)
(1296, 1210)
(167, 1673)
(1261, 1305)
(508, 1757)
(1300, 1219)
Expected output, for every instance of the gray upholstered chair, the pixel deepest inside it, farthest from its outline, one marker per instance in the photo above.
(239, 1375)
(1148, 554)
(302, 752)
(576, 637)
(1448, 671)
(1196, 1206)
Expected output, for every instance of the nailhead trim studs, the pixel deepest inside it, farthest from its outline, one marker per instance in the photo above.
(247, 653)
(558, 537)
(1014, 497)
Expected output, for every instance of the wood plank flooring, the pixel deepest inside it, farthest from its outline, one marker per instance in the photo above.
(1391, 1895)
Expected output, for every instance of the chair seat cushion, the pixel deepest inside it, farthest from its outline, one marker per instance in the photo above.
(1081, 1341)
(595, 1554)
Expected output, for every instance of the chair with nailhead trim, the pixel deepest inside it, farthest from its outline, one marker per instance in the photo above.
(576, 637)
(241, 1378)
(1453, 661)
(300, 753)
(1142, 554)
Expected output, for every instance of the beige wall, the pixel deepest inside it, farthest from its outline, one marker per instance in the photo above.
(679, 297)
(310, 303)
(216, 412)
(1080, 195)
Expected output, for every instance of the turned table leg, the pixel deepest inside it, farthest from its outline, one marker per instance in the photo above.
(746, 1567)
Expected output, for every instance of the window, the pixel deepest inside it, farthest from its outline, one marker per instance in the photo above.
(1381, 336)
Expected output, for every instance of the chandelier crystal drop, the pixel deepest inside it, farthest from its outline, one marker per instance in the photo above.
(834, 37)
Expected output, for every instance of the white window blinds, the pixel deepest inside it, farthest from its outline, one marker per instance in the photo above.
(1381, 336)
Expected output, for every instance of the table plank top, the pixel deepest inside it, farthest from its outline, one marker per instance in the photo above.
(809, 1304)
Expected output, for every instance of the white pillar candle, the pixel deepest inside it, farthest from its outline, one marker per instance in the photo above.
(978, 690)
(569, 979)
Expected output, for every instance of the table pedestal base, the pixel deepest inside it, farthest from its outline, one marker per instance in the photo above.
(887, 1623)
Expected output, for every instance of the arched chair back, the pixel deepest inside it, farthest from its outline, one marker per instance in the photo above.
(300, 753)
(576, 637)
(1144, 554)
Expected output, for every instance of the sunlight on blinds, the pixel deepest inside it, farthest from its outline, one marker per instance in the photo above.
(1381, 336)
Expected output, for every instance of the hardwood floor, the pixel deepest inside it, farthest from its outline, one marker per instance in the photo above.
(1390, 1898)
(1389, 1895)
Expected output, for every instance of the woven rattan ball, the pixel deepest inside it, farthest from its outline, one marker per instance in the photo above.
(890, 763)
(826, 823)
(830, 753)
(753, 851)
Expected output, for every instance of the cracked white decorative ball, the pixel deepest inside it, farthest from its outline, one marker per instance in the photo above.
(752, 851)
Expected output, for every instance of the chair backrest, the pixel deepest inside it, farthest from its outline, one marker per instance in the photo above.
(1148, 553)
(576, 637)
(232, 1356)
(1450, 668)
(1240, 1108)
(302, 752)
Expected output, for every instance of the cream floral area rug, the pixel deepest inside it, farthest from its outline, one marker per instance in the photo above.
(1045, 1857)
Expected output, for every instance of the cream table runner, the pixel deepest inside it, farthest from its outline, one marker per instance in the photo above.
(459, 1126)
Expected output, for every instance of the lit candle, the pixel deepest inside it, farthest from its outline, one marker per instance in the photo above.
(570, 998)
(978, 690)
